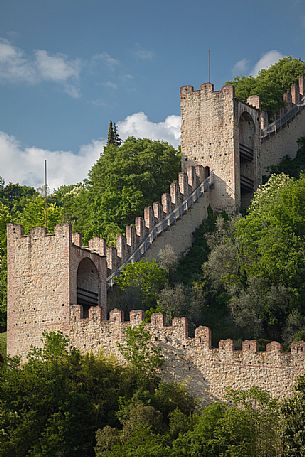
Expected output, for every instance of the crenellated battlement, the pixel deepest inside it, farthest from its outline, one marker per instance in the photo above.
(157, 218)
(138, 238)
(294, 102)
(207, 371)
(206, 89)
(179, 329)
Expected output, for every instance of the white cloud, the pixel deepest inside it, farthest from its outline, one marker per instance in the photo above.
(25, 165)
(110, 85)
(241, 67)
(107, 59)
(268, 59)
(16, 66)
(140, 126)
(143, 54)
(57, 67)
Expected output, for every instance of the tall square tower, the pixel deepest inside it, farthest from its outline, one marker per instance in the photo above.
(223, 135)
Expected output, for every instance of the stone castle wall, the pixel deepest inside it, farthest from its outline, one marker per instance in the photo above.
(42, 283)
(168, 222)
(282, 142)
(206, 371)
(279, 139)
(210, 137)
(179, 237)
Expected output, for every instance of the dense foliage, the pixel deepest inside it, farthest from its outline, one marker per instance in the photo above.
(259, 261)
(249, 425)
(121, 183)
(139, 284)
(53, 404)
(270, 83)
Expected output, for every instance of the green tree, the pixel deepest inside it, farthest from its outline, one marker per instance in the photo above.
(145, 276)
(270, 83)
(53, 404)
(293, 411)
(249, 426)
(111, 134)
(259, 258)
(33, 214)
(121, 183)
(13, 195)
(144, 357)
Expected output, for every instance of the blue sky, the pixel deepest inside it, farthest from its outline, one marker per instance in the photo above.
(69, 66)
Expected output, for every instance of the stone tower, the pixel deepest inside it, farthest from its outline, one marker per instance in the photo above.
(47, 274)
(223, 135)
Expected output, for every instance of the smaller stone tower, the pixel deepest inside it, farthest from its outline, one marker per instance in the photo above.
(223, 135)
(46, 275)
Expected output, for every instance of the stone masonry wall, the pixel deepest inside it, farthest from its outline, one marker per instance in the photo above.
(179, 236)
(42, 283)
(210, 137)
(207, 137)
(282, 142)
(170, 221)
(206, 371)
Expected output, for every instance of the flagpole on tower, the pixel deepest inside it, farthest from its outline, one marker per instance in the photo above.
(209, 64)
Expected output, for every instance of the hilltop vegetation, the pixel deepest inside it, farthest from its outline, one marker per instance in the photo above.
(120, 184)
(270, 83)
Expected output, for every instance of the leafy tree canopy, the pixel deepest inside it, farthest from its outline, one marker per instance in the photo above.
(293, 411)
(270, 83)
(145, 276)
(259, 259)
(138, 350)
(53, 404)
(121, 183)
(33, 214)
(12, 195)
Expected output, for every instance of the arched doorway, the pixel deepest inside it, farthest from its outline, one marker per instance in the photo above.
(246, 158)
(207, 172)
(87, 285)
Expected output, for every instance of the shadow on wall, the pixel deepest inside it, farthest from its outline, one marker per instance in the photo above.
(179, 368)
(223, 196)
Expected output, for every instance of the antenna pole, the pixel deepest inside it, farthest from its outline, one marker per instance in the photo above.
(45, 195)
(209, 64)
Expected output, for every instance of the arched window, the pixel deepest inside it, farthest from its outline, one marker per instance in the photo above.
(87, 285)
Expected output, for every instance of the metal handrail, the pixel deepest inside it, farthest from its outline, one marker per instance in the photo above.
(276, 125)
(161, 226)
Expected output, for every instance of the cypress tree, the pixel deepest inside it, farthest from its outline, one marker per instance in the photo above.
(111, 134)
(117, 139)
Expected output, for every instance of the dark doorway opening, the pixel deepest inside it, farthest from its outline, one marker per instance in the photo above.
(87, 286)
